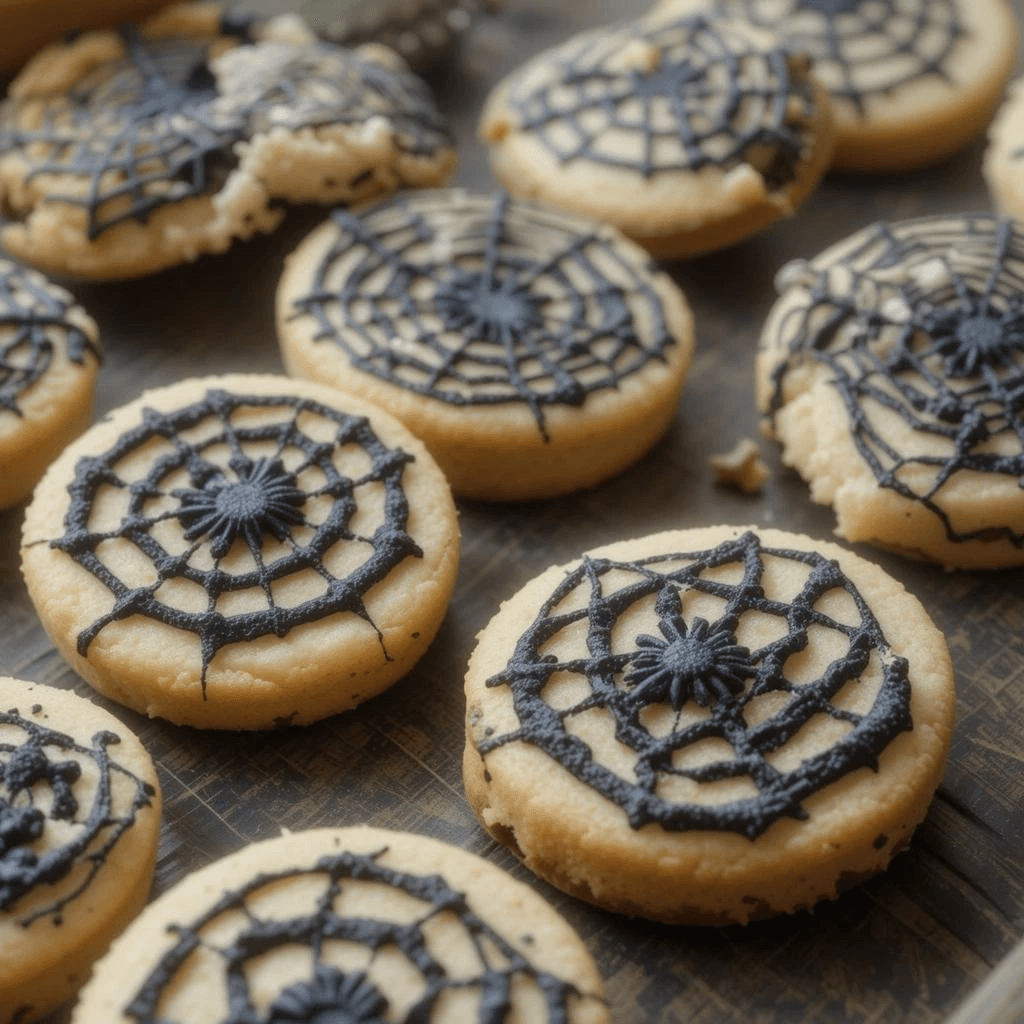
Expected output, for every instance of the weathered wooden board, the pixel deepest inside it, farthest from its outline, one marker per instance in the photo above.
(910, 945)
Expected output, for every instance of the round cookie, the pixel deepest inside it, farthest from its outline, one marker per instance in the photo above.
(49, 357)
(242, 552)
(911, 81)
(687, 132)
(1003, 166)
(79, 824)
(707, 726)
(533, 352)
(122, 153)
(890, 371)
(355, 925)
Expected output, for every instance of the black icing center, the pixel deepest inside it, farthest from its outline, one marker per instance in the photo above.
(330, 998)
(491, 310)
(830, 8)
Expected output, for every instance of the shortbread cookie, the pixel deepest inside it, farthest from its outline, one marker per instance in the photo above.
(890, 370)
(79, 823)
(911, 81)
(686, 132)
(533, 352)
(122, 153)
(242, 552)
(707, 726)
(49, 356)
(356, 925)
(1004, 159)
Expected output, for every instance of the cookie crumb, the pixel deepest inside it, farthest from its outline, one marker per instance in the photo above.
(741, 467)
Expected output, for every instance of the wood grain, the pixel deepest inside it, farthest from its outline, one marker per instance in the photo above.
(911, 945)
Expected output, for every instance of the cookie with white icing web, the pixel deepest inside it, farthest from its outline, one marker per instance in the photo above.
(688, 132)
(891, 370)
(707, 726)
(360, 925)
(534, 352)
(122, 153)
(49, 358)
(911, 81)
(242, 552)
(79, 823)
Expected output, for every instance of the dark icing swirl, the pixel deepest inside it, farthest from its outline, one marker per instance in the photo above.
(154, 127)
(924, 319)
(709, 94)
(702, 662)
(265, 502)
(534, 306)
(330, 994)
(862, 48)
(33, 323)
(39, 769)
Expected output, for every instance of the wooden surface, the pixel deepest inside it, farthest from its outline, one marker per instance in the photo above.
(910, 945)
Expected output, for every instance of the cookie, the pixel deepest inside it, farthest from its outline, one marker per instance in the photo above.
(49, 357)
(533, 352)
(707, 726)
(348, 925)
(687, 132)
(890, 371)
(242, 552)
(911, 81)
(1003, 165)
(122, 153)
(79, 824)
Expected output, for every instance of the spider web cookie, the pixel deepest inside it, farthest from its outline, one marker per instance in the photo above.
(236, 526)
(892, 372)
(707, 703)
(79, 821)
(390, 926)
(533, 352)
(49, 356)
(122, 154)
(911, 80)
(686, 132)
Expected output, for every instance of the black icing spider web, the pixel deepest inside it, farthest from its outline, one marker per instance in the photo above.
(515, 303)
(153, 128)
(941, 345)
(702, 661)
(33, 323)
(252, 516)
(714, 97)
(330, 993)
(861, 47)
(38, 776)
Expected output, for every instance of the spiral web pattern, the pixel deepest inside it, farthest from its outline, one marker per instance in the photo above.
(239, 495)
(39, 772)
(600, 595)
(705, 93)
(235, 933)
(157, 127)
(924, 319)
(507, 303)
(33, 323)
(861, 48)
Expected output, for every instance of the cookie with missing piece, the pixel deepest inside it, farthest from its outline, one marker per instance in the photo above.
(890, 370)
(534, 352)
(242, 552)
(350, 925)
(125, 152)
(79, 821)
(707, 726)
(686, 131)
